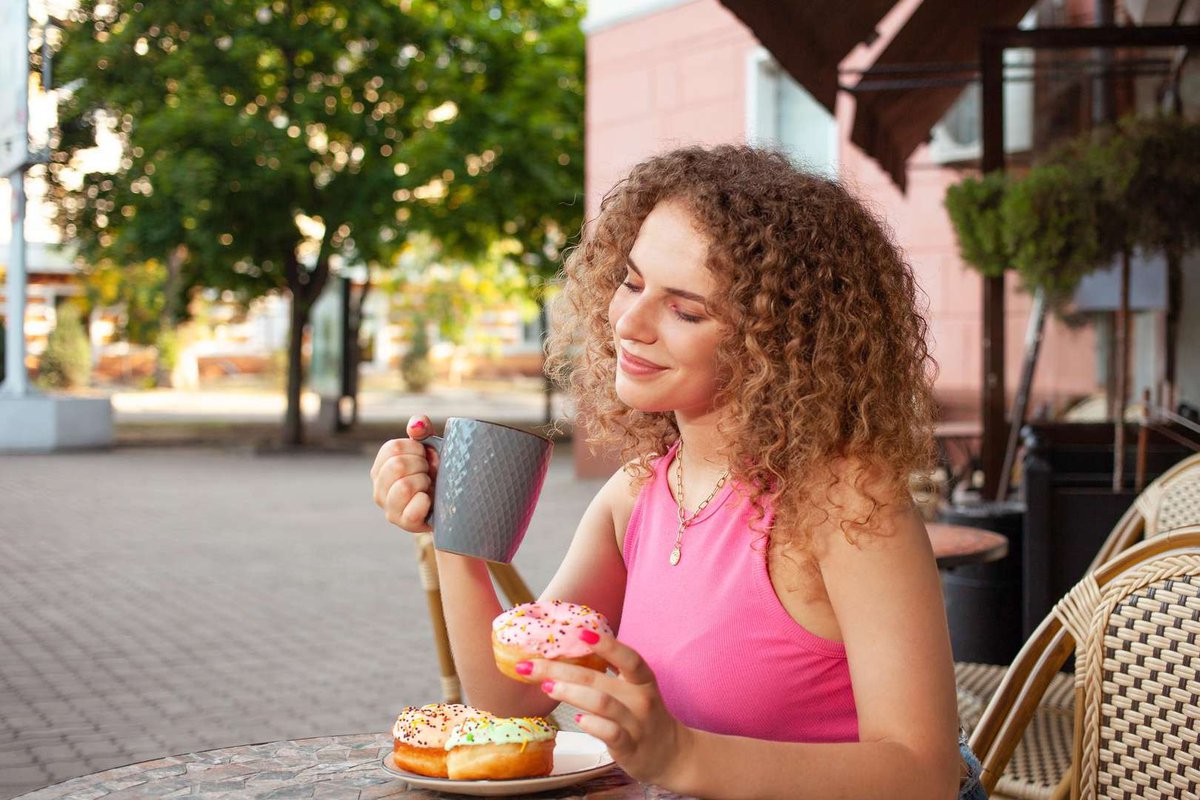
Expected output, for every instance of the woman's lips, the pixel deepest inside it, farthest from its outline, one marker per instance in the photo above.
(632, 365)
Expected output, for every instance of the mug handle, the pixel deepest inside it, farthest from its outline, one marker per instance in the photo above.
(434, 443)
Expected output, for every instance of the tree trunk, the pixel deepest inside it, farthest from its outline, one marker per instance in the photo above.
(1033, 345)
(293, 422)
(1122, 376)
(305, 286)
(354, 329)
(1174, 299)
(166, 317)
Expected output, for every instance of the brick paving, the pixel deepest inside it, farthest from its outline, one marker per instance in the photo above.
(156, 601)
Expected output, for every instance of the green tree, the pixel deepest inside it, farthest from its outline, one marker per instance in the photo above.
(67, 361)
(263, 141)
(450, 294)
(137, 288)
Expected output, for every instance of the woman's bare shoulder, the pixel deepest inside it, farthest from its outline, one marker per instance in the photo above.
(619, 494)
(623, 487)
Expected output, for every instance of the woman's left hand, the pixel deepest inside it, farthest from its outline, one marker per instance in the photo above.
(624, 711)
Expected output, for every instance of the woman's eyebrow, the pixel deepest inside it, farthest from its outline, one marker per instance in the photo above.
(683, 293)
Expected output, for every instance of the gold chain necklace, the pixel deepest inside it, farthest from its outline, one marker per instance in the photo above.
(684, 520)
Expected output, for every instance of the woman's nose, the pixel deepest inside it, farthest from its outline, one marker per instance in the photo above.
(636, 321)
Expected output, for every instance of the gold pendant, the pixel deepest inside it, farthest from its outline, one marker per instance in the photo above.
(675, 554)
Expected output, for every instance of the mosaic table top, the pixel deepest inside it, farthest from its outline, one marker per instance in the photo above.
(329, 768)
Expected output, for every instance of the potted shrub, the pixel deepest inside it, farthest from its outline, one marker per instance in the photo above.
(1144, 184)
(415, 367)
(1148, 179)
(985, 596)
(67, 361)
(974, 209)
(1041, 226)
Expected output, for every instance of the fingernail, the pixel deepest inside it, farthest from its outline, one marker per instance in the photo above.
(547, 686)
(578, 718)
(418, 425)
(524, 667)
(589, 636)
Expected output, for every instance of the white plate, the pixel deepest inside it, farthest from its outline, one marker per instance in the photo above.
(578, 756)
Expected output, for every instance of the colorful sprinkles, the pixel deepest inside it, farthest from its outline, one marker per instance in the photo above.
(430, 725)
(487, 729)
(548, 627)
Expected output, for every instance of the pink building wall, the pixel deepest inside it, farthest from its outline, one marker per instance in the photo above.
(678, 76)
(667, 79)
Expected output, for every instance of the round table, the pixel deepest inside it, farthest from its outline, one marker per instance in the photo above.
(334, 767)
(957, 545)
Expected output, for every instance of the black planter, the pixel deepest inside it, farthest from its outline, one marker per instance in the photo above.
(983, 601)
(1072, 508)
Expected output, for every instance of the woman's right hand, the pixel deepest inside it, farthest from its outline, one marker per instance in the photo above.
(402, 477)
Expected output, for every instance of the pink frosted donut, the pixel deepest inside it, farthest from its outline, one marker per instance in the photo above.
(546, 629)
(420, 736)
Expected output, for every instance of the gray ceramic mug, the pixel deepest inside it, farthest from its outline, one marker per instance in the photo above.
(488, 480)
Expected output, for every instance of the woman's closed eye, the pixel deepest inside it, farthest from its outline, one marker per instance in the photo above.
(686, 317)
(629, 284)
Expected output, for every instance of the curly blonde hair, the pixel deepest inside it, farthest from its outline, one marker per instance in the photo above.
(825, 377)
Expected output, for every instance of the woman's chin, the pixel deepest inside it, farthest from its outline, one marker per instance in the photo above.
(641, 400)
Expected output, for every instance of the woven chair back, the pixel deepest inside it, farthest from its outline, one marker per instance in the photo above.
(1173, 500)
(1036, 768)
(1141, 694)
(1134, 626)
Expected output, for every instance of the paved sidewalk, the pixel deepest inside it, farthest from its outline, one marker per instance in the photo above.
(520, 404)
(157, 601)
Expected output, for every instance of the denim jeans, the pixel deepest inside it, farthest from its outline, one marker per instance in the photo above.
(971, 789)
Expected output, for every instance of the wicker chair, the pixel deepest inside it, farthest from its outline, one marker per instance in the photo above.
(1134, 627)
(1043, 756)
(505, 576)
(511, 585)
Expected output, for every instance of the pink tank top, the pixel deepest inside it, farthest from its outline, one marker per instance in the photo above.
(727, 655)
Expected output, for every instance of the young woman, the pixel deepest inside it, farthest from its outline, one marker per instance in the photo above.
(746, 334)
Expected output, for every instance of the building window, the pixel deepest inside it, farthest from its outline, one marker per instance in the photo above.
(780, 113)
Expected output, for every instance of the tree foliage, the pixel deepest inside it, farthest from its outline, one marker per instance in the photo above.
(1095, 197)
(451, 294)
(974, 208)
(263, 141)
(1148, 178)
(1049, 219)
(137, 287)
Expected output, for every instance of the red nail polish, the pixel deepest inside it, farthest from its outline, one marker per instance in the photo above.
(524, 667)
(578, 718)
(418, 425)
(547, 686)
(589, 636)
